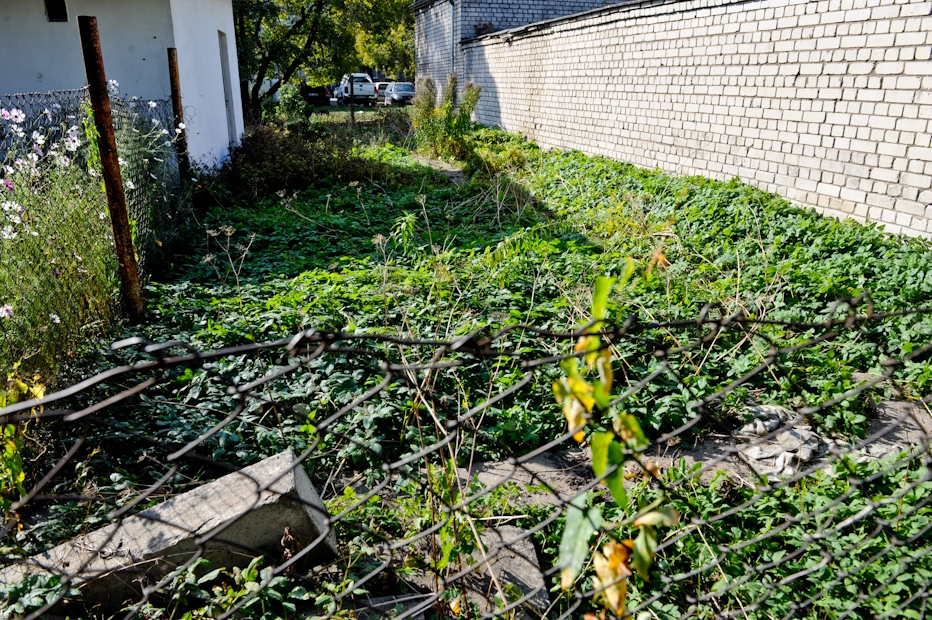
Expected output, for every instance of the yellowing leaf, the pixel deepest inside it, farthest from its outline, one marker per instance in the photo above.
(667, 516)
(613, 571)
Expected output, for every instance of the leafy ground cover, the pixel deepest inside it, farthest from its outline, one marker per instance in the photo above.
(387, 245)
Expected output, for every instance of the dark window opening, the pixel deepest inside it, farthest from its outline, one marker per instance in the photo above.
(56, 10)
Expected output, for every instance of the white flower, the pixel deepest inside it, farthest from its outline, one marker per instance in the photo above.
(17, 116)
(130, 185)
(32, 157)
(38, 138)
(93, 173)
(15, 218)
(80, 260)
(55, 318)
(113, 87)
(48, 114)
(181, 126)
(153, 105)
(121, 161)
(16, 129)
(164, 132)
(6, 311)
(7, 232)
(102, 215)
(10, 206)
(63, 161)
(176, 131)
(155, 121)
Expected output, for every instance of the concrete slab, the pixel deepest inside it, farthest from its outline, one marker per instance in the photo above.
(506, 573)
(545, 480)
(112, 564)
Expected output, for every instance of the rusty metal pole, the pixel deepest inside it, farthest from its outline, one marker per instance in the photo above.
(113, 179)
(181, 139)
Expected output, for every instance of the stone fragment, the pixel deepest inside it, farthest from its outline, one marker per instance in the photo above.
(792, 439)
(111, 565)
(764, 451)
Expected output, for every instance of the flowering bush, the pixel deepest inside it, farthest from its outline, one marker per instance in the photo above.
(58, 271)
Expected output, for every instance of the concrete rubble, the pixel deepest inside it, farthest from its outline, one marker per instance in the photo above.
(110, 565)
(780, 444)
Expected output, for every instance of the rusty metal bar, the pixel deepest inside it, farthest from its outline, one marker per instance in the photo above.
(181, 139)
(113, 180)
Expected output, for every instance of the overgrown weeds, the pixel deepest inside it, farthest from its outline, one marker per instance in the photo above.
(445, 131)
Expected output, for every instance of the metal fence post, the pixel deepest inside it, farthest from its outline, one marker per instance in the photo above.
(113, 179)
(181, 139)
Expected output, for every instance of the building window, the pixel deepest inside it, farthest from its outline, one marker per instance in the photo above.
(56, 10)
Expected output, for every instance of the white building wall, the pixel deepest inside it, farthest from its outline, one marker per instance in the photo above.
(197, 27)
(828, 102)
(39, 56)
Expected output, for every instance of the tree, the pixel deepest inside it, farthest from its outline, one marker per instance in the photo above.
(384, 34)
(322, 38)
(276, 38)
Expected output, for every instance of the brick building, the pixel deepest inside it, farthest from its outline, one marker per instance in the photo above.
(826, 102)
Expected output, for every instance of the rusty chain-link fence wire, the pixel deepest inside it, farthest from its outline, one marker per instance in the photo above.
(55, 236)
(145, 132)
(444, 472)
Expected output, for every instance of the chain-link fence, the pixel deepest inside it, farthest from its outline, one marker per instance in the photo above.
(364, 475)
(57, 266)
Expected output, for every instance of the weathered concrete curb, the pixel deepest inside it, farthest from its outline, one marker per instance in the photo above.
(112, 564)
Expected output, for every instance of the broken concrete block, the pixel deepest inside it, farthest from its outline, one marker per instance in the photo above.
(506, 573)
(511, 574)
(112, 564)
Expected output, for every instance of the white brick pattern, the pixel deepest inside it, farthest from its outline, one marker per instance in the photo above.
(825, 102)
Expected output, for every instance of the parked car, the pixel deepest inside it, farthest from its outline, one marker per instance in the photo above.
(316, 95)
(380, 91)
(363, 89)
(399, 93)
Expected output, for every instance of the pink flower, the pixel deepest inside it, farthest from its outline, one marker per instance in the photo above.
(8, 184)
(6, 311)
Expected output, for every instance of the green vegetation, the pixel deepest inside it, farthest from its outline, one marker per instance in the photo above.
(366, 240)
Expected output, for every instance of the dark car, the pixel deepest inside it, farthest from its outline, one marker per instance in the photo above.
(399, 93)
(316, 95)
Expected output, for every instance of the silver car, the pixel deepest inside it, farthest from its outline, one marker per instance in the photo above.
(399, 93)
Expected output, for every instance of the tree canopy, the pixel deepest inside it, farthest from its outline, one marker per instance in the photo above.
(278, 40)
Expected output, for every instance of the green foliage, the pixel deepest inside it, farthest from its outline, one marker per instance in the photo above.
(376, 243)
(33, 593)
(445, 131)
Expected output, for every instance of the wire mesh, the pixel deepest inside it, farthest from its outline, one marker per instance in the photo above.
(446, 474)
(57, 267)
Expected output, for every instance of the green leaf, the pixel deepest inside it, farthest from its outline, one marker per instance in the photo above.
(600, 443)
(607, 453)
(603, 286)
(644, 548)
(616, 480)
(209, 576)
(574, 546)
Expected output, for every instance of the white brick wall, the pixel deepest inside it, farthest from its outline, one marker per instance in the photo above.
(433, 23)
(826, 102)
